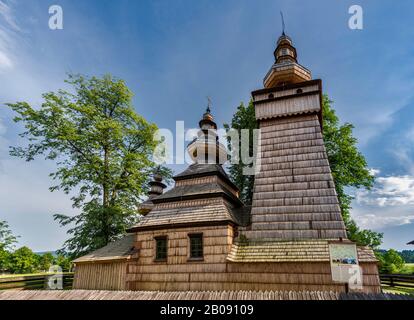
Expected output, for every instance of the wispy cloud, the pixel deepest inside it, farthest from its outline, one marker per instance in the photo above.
(7, 13)
(403, 150)
(389, 203)
(8, 31)
(376, 222)
(389, 191)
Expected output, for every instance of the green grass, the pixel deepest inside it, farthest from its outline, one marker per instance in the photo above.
(408, 268)
(397, 290)
(5, 276)
(21, 275)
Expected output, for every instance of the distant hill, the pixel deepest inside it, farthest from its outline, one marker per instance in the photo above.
(407, 255)
(41, 253)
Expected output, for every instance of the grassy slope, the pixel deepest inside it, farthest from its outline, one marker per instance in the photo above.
(408, 268)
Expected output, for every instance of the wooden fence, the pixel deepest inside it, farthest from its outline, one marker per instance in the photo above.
(34, 282)
(398, 280)
(193, 295)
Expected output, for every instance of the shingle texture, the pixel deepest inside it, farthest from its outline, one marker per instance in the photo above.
(289, 251)
(294, 193)
(195, 191)
(197, 169)
(208, 210)
(117, 250)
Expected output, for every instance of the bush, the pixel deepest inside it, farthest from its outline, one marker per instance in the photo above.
(390, 262)
(23, 260)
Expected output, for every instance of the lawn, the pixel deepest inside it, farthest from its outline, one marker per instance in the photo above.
(397, 290)
(408, 268)
(4, 276)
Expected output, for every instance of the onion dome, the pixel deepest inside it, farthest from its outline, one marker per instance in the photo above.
(156, 186)
(206, 148)
(156, 189)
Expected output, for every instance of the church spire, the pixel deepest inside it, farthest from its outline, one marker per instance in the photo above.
(286, 69)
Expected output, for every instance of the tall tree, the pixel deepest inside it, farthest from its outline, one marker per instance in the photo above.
(7, 241)
(349, 167)
(244, 118)
(103, 152)
(349, 170)
(45, 261)
(23, 261)
(390, 261)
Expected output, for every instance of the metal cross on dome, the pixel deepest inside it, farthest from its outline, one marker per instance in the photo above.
(283, 23)
(209, 104)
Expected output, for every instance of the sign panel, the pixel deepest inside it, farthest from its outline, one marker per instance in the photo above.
(344, 264)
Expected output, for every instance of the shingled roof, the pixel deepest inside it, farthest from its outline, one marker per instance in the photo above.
(197, 191)
(203, 194)
(194, 212)
(121, 249)
(204, 169)
(199, 169)
(290, 251)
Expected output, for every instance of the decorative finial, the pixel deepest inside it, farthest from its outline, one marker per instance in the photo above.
(208, 105)
(283, 23)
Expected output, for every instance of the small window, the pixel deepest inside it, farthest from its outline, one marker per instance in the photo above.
(196, 246)
(299, 91)
(271, 96)
(161, 249)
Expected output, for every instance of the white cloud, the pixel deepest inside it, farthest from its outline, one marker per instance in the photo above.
(374, 172)
(389, 191)
(389, 203)
(9, 30)
(377, 222)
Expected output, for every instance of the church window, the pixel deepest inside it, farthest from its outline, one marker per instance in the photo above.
(196, 246)
(161, 248)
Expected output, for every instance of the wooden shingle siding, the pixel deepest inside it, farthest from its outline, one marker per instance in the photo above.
(278, 94)
(294, 194)
(298, 265)
(293, 106)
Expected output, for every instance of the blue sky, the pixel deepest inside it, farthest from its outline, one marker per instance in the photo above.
(173, 54)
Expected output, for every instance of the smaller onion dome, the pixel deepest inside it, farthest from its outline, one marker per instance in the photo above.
(156, 189)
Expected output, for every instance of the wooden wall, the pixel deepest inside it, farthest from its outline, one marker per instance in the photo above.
(100, 276)
(215, 273)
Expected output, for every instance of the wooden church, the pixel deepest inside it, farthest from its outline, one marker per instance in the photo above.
(199, 236)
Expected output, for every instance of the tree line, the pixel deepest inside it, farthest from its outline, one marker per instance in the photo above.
(24, 260)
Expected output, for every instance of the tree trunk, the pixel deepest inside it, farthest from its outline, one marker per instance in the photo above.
(105, 200)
